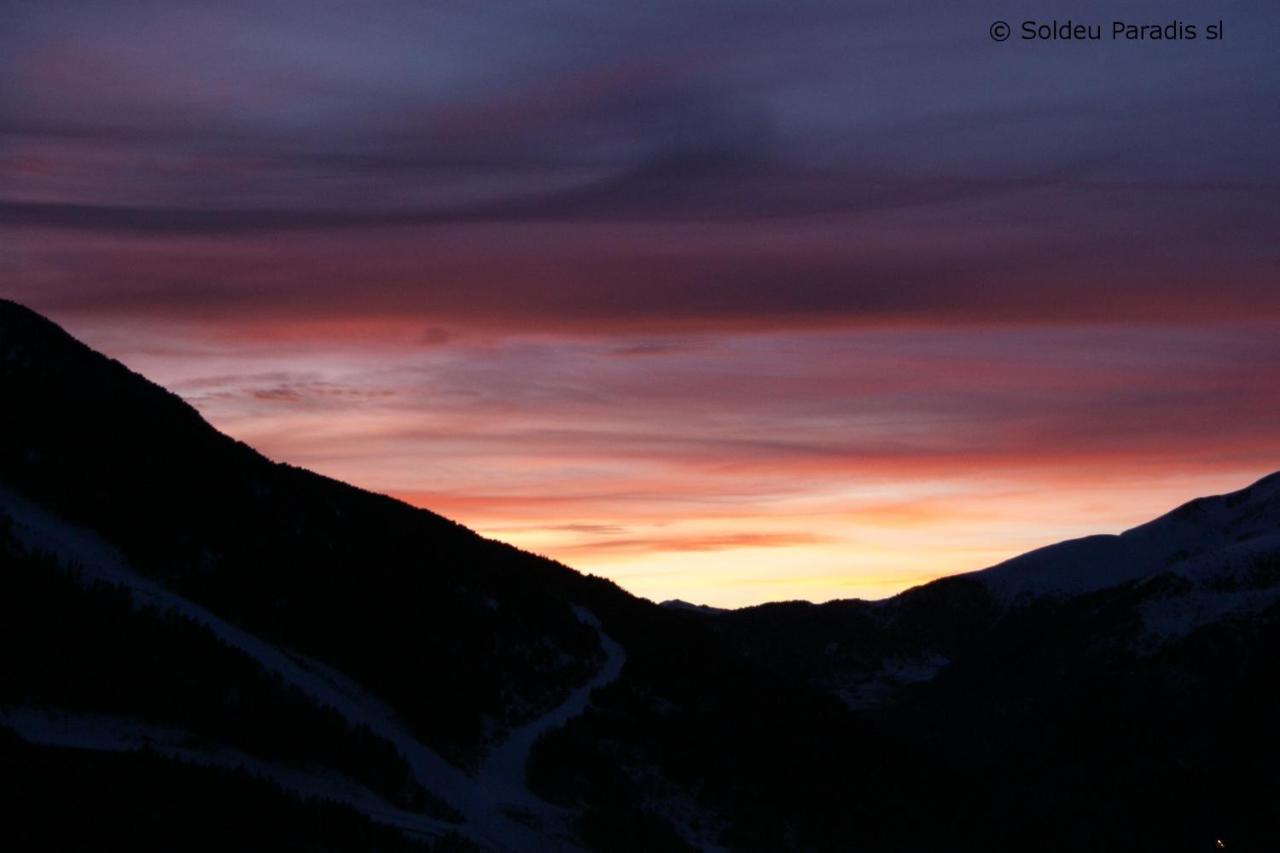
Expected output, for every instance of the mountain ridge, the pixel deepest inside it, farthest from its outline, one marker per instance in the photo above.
(1142, 550)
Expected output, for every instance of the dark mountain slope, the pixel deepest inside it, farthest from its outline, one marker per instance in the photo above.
(91, 648)
(378, 589)
(1060, 733)
(864, 651)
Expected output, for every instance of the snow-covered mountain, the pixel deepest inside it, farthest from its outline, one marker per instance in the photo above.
(1210, 539)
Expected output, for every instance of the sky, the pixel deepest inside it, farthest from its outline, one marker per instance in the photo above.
(728, 301)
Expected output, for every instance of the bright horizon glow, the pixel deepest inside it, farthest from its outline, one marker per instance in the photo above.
(736, 469)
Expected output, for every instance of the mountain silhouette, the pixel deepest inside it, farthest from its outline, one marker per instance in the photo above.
(205, 649)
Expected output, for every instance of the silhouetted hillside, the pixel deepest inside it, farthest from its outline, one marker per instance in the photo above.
(378, 589)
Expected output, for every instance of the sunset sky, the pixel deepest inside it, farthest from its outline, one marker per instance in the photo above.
(727, 301)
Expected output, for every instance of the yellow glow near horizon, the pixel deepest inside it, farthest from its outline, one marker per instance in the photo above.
(873, 550)
(746, 468)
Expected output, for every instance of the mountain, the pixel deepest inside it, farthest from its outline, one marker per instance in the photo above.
(1203, 540)
(287, 586)
(205, 649)
(677, 604)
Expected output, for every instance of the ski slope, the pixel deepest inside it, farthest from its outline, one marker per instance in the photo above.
(500, 812)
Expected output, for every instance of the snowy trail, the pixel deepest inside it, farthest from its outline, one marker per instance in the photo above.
(500, 812)
(119, 734)
(502, 775)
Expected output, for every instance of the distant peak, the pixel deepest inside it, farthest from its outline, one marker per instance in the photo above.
(677, 604)
(1192, 532)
